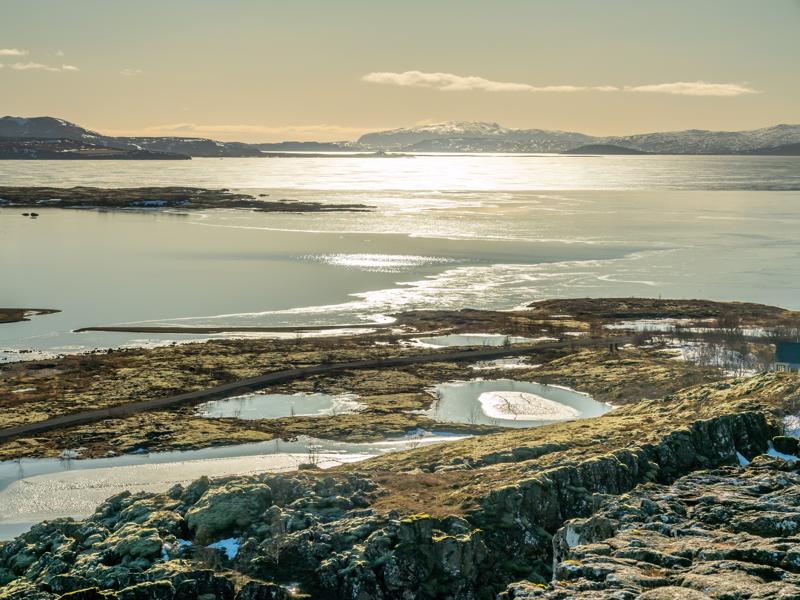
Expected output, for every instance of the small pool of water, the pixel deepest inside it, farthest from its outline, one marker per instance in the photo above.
(276, 406)
(510, 403)
(37, 489)
(474, 339)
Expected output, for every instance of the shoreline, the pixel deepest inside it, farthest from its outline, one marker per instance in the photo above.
(17, 315)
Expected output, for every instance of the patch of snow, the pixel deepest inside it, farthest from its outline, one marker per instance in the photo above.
(657, 325)
(524, 406)
(572, 537)
(23, 390)
(742, 460)
(229, 545)
(70, 453)
(503, 363)
(791, 425)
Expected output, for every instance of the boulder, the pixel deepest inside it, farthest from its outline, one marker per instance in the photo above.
(256, 590)
(220, 511)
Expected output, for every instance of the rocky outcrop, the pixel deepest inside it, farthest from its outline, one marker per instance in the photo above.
(148, 546)
(730, 533)
(522, 518)
(337, 535)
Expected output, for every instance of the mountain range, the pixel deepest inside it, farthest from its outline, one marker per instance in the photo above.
(491, 137)
(59, 138)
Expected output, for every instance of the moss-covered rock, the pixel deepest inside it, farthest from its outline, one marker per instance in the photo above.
(219, 511)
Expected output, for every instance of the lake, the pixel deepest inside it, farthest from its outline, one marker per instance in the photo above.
(447, 232)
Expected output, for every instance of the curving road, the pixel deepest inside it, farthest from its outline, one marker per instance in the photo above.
(254, 383)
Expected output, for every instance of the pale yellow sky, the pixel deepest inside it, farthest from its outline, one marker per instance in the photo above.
(263, 70)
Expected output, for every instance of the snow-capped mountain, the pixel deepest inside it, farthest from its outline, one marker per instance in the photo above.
(467, 136)
(697, 141)
(407, 136)
(460, 136)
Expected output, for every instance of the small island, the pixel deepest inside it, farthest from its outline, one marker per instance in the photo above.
(185, 198)
(15, 315)
(608, 149)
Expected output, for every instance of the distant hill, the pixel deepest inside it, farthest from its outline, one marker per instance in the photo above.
(65, 149)
(304, 147)
(783, 150)
(199, 147)
(52, 128)
(603, 149)
(451, 136)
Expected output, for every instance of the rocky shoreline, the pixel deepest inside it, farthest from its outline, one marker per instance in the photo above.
(184, 198)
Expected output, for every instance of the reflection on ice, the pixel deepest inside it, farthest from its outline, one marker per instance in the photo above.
(383, 263)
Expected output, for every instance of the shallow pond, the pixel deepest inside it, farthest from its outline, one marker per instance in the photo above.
(276, 406)
(510, 403)
(473, 339)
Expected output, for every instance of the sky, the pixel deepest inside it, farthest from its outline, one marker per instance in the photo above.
(265, 70)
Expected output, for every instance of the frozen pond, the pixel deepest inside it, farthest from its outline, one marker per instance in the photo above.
(510, 403)
(276, 406)
(474, 339)
(33, 490)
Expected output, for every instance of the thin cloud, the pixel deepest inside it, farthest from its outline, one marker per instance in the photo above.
(34, 66)
(694, 88)
(450, 82)
(12, 52)
(131, 72)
